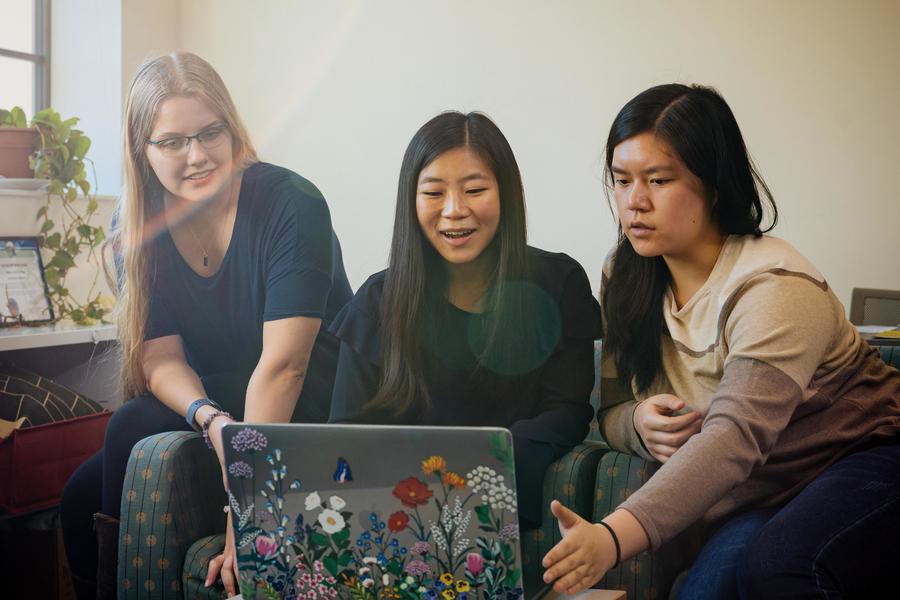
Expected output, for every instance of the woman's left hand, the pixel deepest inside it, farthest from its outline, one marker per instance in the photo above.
(582, 558)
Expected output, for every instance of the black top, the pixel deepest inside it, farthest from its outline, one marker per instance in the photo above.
(546, 404)
(283, 260)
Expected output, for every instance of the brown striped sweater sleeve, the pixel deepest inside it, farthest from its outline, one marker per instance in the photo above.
(776, 336)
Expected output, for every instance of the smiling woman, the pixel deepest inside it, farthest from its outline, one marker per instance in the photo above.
(469, 325)
(230, 276)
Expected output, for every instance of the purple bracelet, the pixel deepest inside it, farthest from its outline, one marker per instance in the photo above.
(208, 421)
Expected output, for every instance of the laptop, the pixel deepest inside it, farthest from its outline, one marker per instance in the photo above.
(373, 511)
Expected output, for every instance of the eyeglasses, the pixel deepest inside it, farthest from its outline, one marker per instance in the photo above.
(178, 145)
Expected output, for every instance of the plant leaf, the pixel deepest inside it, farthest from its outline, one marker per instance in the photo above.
(47, 226)
(62, 260)
(52, 241)
(18, 117)
(330, 563)
(51, 276)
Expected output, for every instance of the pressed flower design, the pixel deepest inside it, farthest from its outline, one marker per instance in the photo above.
(451, 537)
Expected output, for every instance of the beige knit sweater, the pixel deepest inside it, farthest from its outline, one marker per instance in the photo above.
(786, 386)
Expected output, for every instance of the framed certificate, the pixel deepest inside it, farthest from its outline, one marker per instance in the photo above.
(23, 290)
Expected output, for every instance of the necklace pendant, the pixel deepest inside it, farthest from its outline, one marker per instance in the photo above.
(205, 260)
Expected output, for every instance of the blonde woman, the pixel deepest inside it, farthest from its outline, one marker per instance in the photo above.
(231, 273)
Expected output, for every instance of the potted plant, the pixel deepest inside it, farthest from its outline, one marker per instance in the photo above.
(60, 157)
(17, 142)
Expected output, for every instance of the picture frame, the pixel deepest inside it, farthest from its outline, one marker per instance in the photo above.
(24, 297)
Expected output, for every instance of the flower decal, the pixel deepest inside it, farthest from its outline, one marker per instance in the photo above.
(240, 469)
(509, 532)
(265, 546)
(420, 547)
(331, 521)
(418, 567)
(398, 521)
(313, 501)
(454, 480)
(249, 440)
(412, 492)
(337, 503)
(474, 563)
(433, 464)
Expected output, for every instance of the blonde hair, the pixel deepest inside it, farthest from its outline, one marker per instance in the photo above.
(180, 74)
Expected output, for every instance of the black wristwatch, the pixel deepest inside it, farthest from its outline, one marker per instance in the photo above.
(192, 410)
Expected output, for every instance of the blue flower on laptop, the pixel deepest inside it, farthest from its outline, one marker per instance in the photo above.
(313, 501)
(337, 503)
(240, 469)
(249, 440)
(331, 520)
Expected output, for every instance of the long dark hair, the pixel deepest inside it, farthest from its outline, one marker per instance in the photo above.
(416, 273)
(697, 123)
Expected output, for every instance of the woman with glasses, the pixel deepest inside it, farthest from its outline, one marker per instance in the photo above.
(230, 273)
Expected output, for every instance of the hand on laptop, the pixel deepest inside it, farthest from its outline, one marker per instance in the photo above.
(584, 555)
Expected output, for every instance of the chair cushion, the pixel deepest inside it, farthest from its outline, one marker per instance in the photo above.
(196, 564)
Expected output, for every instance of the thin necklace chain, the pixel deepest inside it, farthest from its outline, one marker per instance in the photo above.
(215, 238)
(199, 243)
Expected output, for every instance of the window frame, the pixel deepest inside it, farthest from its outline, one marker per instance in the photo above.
(40, 57)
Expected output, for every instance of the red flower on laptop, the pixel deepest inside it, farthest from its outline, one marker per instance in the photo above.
(398, 521)
(412, 492)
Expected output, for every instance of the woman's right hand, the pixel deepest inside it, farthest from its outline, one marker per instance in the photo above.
(661, 432)
(225, 565)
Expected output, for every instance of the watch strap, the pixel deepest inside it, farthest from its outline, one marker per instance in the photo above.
(194, 407)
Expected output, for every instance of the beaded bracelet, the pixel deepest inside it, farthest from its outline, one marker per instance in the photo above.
(208, 421)
(615, 541)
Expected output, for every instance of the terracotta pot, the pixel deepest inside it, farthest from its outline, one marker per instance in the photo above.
(16, 144)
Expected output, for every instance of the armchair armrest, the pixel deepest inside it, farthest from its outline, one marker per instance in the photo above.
(571, 481)
(645, 575)
(171, 497)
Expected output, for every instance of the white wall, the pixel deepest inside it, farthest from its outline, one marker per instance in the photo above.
(335, 90)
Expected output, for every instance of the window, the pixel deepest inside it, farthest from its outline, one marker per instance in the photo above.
(25, 54)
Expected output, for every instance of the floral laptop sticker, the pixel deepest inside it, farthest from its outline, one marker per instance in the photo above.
(374, 512)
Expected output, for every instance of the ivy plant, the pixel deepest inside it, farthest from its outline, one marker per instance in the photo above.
(60, 157)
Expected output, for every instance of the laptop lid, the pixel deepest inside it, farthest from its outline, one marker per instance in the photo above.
(364, 511)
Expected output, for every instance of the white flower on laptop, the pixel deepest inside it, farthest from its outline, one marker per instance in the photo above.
(313, 501)
(331, 521)
(336, 502)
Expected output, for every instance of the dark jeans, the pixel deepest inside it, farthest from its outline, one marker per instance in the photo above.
(838, 538)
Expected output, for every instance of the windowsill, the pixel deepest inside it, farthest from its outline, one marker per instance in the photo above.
(56, 334)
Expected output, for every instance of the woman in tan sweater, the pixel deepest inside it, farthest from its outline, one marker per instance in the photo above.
(741, 374)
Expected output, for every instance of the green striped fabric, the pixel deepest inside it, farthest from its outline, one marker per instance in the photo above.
(571, 481)
(196, 563)
(646, 576)
(171, 497)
